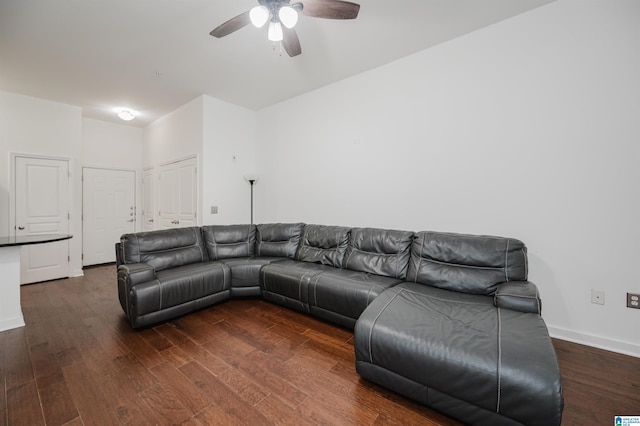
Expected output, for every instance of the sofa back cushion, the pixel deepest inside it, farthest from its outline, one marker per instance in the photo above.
(379, 251)
(228, 241)
(473, 264)
(278, 239)
(323, 244)
(164, 249)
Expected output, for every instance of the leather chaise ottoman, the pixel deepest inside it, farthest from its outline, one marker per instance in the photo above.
(465, 337)
(461, 355)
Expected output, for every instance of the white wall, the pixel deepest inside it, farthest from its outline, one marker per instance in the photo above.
(222, 136)
(114, 146)
(175, 136)
(111, 145)
(228, 154)
(40, 127)
(529, 128)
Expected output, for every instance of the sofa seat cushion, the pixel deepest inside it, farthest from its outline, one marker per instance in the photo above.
(460, 345)
(179, 285)
(245, 274)
(287, 282)
(340, 295)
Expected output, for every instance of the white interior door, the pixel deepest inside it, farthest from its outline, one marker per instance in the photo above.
(168, 196)
(108, 211)
(178, 194)
(42, 207)
(147, 200)
(187, 192)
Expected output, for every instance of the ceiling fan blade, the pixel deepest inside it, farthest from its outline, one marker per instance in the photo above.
(330, 9)
(290, 41)
(233, 24)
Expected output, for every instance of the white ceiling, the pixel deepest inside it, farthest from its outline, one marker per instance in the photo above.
(156, 55)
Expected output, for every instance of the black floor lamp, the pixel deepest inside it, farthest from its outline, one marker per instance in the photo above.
(251, 179)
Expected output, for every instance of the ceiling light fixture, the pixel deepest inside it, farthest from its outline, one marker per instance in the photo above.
(285, 15)
(288, 16)
(259, 16)
(275, 31)
(282, 12)
(125, 114)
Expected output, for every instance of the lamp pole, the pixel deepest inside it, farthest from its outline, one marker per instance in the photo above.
(251, 178)
(251, 181)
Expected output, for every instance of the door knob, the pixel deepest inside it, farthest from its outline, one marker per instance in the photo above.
(130, 220)
(21, 228)
(150, 220)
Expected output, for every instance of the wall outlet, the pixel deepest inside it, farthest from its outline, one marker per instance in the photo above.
(633, 301)
(597, 297)
(214, 209)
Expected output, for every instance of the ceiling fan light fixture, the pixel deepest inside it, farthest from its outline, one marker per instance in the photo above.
(125, 114)
(288, 16)
(275, 31)
(259, 16)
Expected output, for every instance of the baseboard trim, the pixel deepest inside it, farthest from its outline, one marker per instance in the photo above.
(77, 273)
(12, 323)
(599, 342)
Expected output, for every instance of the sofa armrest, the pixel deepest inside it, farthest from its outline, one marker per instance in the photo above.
(119, 260)
(136, 273)
(520, 296)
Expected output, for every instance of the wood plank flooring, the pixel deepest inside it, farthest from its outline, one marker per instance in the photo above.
(77, 362)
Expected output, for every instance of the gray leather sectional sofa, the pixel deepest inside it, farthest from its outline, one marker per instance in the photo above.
(448, 320)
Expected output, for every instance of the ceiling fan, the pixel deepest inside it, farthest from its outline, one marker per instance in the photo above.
(283, 16)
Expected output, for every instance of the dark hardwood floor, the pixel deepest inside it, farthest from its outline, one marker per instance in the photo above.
(77, 362)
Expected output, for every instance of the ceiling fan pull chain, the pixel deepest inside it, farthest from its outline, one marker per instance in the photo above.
(279, 44)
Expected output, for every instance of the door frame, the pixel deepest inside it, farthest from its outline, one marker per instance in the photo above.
(12, 187)
(70, 199)
(143, 195)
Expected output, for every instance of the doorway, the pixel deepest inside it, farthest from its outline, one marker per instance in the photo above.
(41, 203)
(108, 211)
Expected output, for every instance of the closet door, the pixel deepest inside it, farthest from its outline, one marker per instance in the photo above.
(178, 194)
(148, 199)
